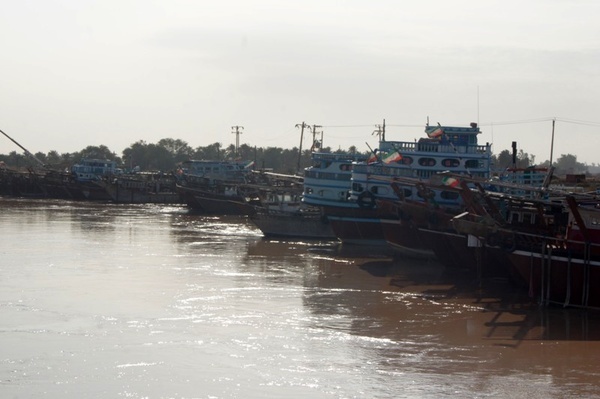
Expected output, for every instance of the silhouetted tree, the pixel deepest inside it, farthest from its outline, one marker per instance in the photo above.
(211, 152)
(567, 163)
(180, 150)
(99, 152)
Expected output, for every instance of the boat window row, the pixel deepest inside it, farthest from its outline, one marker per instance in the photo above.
(206, 169)
(341, 195)
(406, 192)
(327, 176)
(450, 163)
(425, 162)
(522, 217)
(380, 190)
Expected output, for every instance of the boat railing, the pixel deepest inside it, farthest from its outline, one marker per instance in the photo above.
(409, 147)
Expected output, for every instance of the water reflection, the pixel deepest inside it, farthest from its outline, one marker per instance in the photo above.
(206, 306)
(379, 290)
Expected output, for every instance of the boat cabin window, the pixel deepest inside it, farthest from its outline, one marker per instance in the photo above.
(425, 174)
(473, 163)
(528, 218)
(514, 217)
(427, 162)
(426, 194)
(449, 195)
(406, 161)
(357, 187)
(379, 190)
(345, 167)
(450, 162)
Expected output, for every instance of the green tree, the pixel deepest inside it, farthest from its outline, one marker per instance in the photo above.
(98, 152)
(135, 155)
(54, 158)
(212, 152)
(504, 160)
(178, 149)
(158, 158)
(567, 163)
(524, 160)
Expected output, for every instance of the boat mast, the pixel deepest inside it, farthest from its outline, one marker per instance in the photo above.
(24, 150)
(552, 141)
(303, 125)
(237, 138)
(380, 132)
(314, 134)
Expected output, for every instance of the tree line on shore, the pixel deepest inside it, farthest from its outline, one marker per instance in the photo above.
(167, 154)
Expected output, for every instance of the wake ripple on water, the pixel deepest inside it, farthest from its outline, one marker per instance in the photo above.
(152, 301)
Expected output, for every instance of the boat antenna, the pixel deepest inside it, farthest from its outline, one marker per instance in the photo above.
(552, 142)
(25, 150)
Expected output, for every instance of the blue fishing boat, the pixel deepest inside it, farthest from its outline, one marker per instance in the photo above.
(445, 148)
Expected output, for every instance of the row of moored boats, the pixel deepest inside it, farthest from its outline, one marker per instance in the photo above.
(430, 198)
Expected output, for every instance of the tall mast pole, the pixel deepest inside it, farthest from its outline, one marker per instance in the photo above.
(24, 149)
(314, 134)
(302, 126)
(237, 138)
(552, 142)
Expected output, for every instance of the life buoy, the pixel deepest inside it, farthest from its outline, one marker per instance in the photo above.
(366, 199)
(506, 243)
(510, 244)
(493, 240)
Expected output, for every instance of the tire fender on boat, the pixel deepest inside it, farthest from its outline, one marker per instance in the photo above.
(366, 199)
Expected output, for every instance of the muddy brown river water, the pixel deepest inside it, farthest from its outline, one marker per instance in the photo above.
(152, 301)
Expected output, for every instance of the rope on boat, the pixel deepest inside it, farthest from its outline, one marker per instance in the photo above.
(549, 275)
(542, 269)
(568, 293)
(586, 273)
(531, 274)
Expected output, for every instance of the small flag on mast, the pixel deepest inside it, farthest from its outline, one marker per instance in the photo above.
(392, 156)
(435, 132)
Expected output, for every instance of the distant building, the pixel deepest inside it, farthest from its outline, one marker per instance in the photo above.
(575, 178)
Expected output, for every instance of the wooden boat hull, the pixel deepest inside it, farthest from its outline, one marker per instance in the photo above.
(215, 203)
(557, 278)
(356, 226)
(293, 225)
(357, 230)
(406, 239)
(139, 193)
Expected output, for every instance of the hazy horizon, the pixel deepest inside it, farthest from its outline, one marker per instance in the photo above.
(79, 73)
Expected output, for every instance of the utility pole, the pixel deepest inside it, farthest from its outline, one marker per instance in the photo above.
(552, 142)
(314, 134)
(302, 126)
(237, 138)
(380, 131)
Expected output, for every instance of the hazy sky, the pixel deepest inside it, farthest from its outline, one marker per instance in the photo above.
(78, 72)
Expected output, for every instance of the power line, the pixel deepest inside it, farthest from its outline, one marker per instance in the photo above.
(578, 122)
